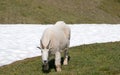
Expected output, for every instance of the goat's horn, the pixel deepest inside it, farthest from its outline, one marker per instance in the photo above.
(48, 44)
(41, 44)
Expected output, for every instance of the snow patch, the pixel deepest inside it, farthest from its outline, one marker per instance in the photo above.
(20, 41)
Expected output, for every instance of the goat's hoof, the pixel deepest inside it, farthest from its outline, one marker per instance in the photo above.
(65, 62)
(58, 69)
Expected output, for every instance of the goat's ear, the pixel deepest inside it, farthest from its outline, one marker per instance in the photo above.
(38, 47)
(41, 44)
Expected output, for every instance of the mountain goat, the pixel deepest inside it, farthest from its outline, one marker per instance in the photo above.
(55, 39)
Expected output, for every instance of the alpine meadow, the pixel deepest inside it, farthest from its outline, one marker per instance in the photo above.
(85, 59)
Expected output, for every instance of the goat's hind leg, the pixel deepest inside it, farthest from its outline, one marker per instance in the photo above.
(65, 62)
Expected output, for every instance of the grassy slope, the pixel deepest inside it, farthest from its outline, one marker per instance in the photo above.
(95, 59)
(50, 11)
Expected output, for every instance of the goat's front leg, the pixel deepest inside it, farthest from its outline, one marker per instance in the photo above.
(66, 57)
(58, 61)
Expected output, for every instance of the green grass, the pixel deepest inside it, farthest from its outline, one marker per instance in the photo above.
(94, 59)
(70, 11)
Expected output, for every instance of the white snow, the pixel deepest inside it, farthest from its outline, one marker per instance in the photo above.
(20, 41)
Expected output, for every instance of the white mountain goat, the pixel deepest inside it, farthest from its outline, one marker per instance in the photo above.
(55, 40)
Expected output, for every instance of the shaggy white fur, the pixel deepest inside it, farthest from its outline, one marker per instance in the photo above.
(55, 39)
